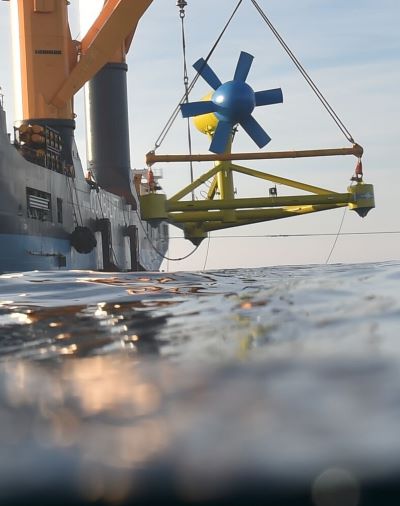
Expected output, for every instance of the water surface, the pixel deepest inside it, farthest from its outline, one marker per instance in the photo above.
(231, 384)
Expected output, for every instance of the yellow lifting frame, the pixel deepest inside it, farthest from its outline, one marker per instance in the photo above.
(198, 217)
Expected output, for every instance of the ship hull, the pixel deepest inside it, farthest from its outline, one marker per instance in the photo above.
(41, 208)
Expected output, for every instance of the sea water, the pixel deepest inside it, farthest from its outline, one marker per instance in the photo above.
(200, 386)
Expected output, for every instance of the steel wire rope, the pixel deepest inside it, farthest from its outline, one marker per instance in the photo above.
(154, 247)
(174, 114)
(182, 5)
(113, 254)
(207, 250)
(80, 215)
(286, 236)
(101, 207)
(306, 76)
(73, 203)
(158, 251)
(337, 236)
(77, 200)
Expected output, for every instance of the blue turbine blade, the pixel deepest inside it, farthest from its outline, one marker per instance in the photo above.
(197, 108)
(243, 66)
(268, 97)
(207, 73)
(221, 137)
(256, 132)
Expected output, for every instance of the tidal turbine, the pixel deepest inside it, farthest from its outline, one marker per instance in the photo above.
(232, 103)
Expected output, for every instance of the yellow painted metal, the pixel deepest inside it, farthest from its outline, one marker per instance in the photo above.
(153, 206)
(356, 150)
(281, 180)
(273, 214)
(206, 123)
(199, 217)
(246, 215)
(194, 232)
(225, 181)
(363, 198)
(226, 188)
(213, 189)
(192, 186)
(257, 202)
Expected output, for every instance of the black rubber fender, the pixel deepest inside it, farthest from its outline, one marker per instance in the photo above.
(83, 240)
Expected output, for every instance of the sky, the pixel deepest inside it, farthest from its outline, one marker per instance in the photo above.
(350, 49)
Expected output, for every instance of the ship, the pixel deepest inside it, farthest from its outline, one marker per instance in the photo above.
(54, 215)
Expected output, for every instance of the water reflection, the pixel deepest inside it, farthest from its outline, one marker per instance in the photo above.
(191, 387)
(214, 316)
(80, 330)
(196, 434)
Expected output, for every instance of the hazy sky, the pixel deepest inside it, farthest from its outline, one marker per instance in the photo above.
(351, 50)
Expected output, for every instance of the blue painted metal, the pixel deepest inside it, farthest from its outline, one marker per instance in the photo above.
(221, 136)
(207, 73)
(29, 241)
(268, 97)
(27, 252)
(243, 66)
(233, 103)
(197, 108)
(255, 131)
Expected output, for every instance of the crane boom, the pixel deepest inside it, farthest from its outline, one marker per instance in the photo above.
(116, 22)
(45, 48)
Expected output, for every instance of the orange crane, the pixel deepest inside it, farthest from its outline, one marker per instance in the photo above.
(53, 66)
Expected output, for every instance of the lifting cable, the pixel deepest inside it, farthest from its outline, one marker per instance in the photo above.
(337, 236)
(291, 55)
(70, 185)
(181, 258)
(306, 76)
(207, 251)
(175, 112)
(286, 236)
(182, 4)
(157, 250)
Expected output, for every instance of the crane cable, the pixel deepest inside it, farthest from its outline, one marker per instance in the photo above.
(175, 112)
(154, 247)
(182, 4)
(318, 94)
(207, 251)
(286, 236)
(336, 237)
(188, 88)
(306, 76)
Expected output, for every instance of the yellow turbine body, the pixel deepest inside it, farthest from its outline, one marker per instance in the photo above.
(206, 123)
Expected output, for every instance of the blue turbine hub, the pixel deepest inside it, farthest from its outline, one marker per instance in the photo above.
(232, 103)
(236, 101)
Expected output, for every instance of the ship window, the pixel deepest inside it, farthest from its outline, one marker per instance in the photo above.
(38, 204)
(59, 210)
